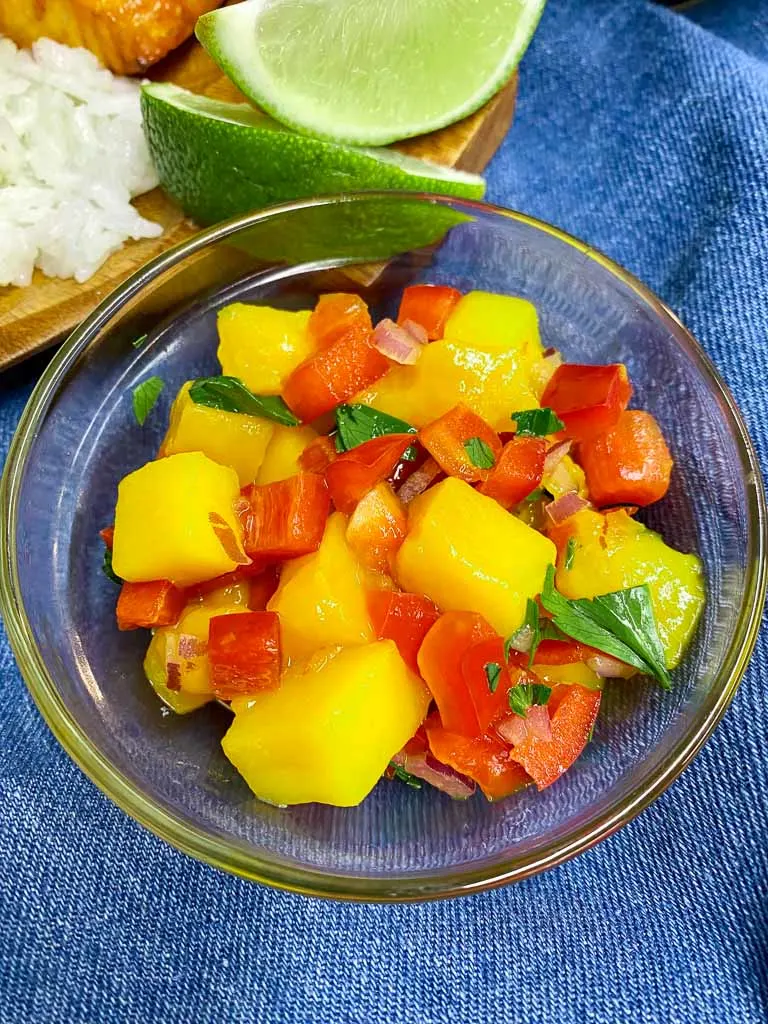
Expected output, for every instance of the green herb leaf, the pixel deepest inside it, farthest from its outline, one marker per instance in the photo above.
(144, 397)
(524, 695)
(621, 623)
(492, 673)
(570, 551)
(535, 495)
(537, 422)
(530, 627)
(360, 423)
(480, 453)
(231, 395)
(106, 568)
(138, 342)
(406, 777)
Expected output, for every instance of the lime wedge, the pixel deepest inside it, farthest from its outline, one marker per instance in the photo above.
(218, 159)
(369, 72)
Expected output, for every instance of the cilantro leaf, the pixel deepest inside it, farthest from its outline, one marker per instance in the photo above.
(144, 397)
(400, 773)
(524, 695)
(537, 422)
(480, 453)
(231, 395)
(106, 568)
(492, 673)
(360, 423)
(570, 551)
(621, 624)
(138, 342)
(536, 495)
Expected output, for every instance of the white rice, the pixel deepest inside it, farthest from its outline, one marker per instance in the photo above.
(72, 154)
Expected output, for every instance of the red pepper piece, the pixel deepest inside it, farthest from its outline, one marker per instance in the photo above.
(588, 399)
(108, 536)
(562, 652)
(404, 618)
(517, 472)
(318, 455)
(483, 758)
(572, 721)
(352, 474)
(377, 528)
(336, 314)
(149, 605)
(445, 440)
(285, 519)
(630, 464)
(244, 653)
(429, 305)
(440, 664)
(334, 375)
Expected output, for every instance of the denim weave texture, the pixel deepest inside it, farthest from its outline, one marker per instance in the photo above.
(645, 133)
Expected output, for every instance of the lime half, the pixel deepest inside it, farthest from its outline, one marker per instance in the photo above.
(369, 72)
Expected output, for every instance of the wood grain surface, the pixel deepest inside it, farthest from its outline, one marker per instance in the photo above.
(34, 317)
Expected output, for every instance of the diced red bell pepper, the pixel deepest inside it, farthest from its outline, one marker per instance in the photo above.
(588, 399)
(318, 455)
(404, 618)
(445, 439)
(475, 666)
(517, 472)
(562, 652)
(427, 474)
(482, 758)
(262, 588)
(286, 519)
(336, 314)
(244, 653)
(571, 723)
(377, 528)
(108, 536)
(629, 464)
(440, 664)
(149, 605)
(429, 305)
(334, 374)
(352, 474)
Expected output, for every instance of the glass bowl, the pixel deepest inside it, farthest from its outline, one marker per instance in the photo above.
(78, 437)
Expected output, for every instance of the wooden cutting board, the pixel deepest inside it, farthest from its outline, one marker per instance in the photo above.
(35, 317)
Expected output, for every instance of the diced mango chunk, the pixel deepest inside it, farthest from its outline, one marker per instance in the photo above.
(501, 322)
(175, 520)
(282, 456)
(613, 551)
(262, 346)
(321, 597)
(465, 552)
(229, 438)
(329, 731)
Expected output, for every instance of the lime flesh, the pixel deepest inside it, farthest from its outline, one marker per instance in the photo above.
(369, 72)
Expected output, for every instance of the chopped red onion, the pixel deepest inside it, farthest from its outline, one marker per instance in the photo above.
(173, 676)
(536, 724)
(565, 507)
(522, 640)
(189, 646)
(418, 332)
(607, 667)
(441, 776)
(419, 481)
(554, 457)
(396, 343)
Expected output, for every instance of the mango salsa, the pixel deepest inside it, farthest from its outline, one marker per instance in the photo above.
(175, 520)
(331, 729)
(262, 346)
(465, 552)
(614, 551)
(321, 597)
(229, 438)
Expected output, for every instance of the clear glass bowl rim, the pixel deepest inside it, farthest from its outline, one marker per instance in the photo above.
(250, 865)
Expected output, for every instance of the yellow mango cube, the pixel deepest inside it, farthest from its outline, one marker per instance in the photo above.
(229, 438)
(282, 456)
(465, 552)
(502, 322)
(175, 520)
(615, 551)
(321, 597)
(262, 346)
(184, 647)
(327, 734)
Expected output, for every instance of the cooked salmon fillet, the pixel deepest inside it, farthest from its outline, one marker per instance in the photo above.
(126, 35)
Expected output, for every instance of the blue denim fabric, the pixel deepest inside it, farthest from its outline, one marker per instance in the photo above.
(647, 135)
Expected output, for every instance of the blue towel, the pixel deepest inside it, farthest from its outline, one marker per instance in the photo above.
(647, 135)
